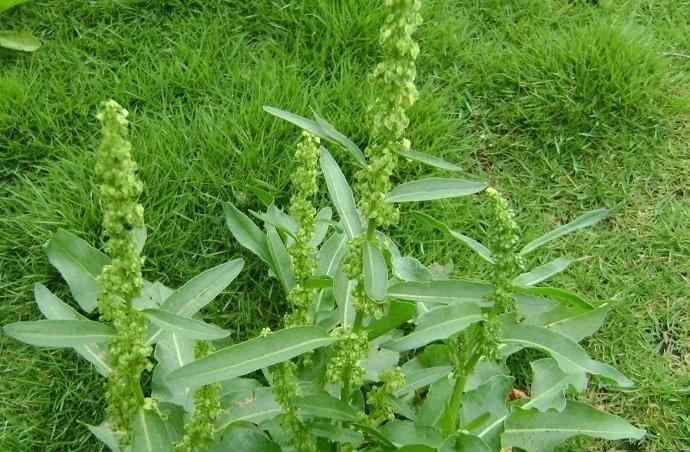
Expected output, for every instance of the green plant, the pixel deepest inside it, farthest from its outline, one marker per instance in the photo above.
(17, 40)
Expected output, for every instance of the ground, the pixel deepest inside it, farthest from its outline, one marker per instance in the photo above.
(564, 106)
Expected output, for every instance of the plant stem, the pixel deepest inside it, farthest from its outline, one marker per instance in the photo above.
(463, 370)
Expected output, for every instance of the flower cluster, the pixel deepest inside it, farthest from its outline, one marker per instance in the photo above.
(199, 431)
(344, 366)
(381, 409)
(353, 267)
(302, 252)
(396, 92)
(121, 280)
(286, 391)
(503, 242)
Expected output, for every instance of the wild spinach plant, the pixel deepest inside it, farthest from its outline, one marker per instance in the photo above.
(377, 352)
(17, 40)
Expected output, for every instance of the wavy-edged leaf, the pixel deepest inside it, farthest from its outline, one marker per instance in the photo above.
(55, 309)
(474, 245)
(375, 272)
(428, 159)
(249, 356)
(491, 398)
(549, 385)
(331, 254)
(79, 264)
(325, 406)
(243, 437)
(340, 194)
(281, 259)
(22, 41)
(334, 433)
(407, 433)
(543, 272)
(442, 292)
(543, 432)
(433, 188)
(419, 378)
(260, 406)
(172, 352)
(377, 361)
(462, 442)
(407, 268)
(59, 333)
(106, 435)
(246, 232)
(149, 433)
(583, 221)
(571, 357)
(437, 324)
(333, 135)
(435, 401)
(191, 328)
(399, 312)
(343, 289)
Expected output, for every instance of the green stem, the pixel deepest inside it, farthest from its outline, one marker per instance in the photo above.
(463, 370)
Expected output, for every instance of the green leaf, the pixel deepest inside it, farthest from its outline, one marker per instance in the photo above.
(437, 324)
(245, 438)
(341, 195)
(278, 219)
(474, 245)
(172, 352)
(331, 254)
(549, 385)
(80, 264)
(375, 272)
(260, 407)
(407, 268)
(343, 296)
(581, 326)
(399, 312)
(246, 232)
(462, 442)
(7, 4)
(489, 398)
(251, 355)
(407, 433)
(433, 188)
(333, 135)
(319, 282)
(334, 433)
(377, 361)
(431, 160)
(323, 221)
(543, 432)
(419, 378)
(149, 433)
(442, 292)
(325, 406)
(434, 404)
(543, 272)
(59, 333)
(55, 309)
(484, 371)
(19, 40)
(191, 328)
(571, 357)
(583, 221)
(280, 258)
(300, 121)
(554, 293)
(107, 436)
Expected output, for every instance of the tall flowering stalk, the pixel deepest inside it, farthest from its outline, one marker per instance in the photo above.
(121, 280)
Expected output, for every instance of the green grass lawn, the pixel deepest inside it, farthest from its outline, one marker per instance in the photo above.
(563, 105)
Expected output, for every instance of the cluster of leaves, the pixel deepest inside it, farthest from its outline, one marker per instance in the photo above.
(384, 354)
(17, 40)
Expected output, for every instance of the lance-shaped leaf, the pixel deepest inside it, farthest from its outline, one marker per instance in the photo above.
(55, 309)
(106, 435)
(435, 401)
(60, 333)
(245, 438)
(280, 258)
(419, 378)
(474, 245)
(79, 264)
(331, 254)
(377, 361)
(462, 442)
(323, 405)
(550, 383)
(433, 188)
(431, 160)
(491, 398)
(333, 135)
(437, 324)
(323, 221)
(543, 272)
(251, 355)
(341, 195)
(407, 268)
(571, 357)
(442, 292)
(533, 431)
(399, 312)
(583, 221)
(190, 328)
(333, 432)
(246, 232)
(149, 433)
(343, 296)
(278, 219)
(259, 407)
(172, 352)
(375, 272)
(407, 433)
(19, 40)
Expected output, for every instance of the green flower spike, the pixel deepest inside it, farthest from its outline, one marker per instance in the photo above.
(121, 280)
(381, 410)
(286, 392)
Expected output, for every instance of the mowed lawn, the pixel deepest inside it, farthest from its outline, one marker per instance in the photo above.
(563, 105)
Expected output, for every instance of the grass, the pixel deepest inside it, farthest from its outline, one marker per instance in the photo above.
(563, 105)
